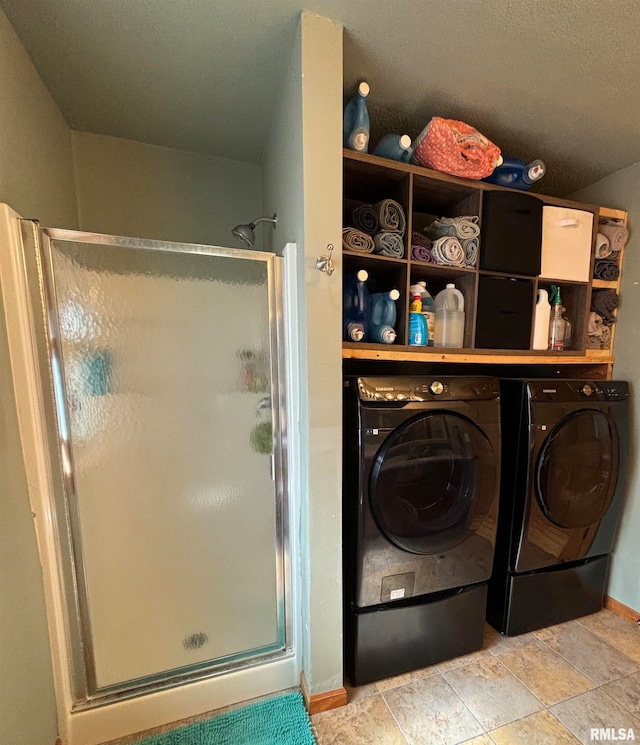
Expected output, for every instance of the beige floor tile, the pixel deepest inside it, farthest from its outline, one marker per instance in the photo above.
(621, 634)
(365, 722)
(429, 711)
(400, 680)
(354, 693)
(494, 696)
(547, 675)
(541, 728)
(626, 691)
(465, 659)
(594, 710)
(589, 653)
(496, 642)
(482, 740)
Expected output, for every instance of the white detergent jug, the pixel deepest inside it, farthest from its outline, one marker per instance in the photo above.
(449, 317)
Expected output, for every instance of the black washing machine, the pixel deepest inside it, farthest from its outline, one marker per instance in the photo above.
(420, 503)
(564, 457)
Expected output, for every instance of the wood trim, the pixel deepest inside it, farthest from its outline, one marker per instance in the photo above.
(508, 357)
(621, 610)
(319, 702)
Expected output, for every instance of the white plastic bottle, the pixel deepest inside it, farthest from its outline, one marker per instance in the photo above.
(449, 317)
(541, 321)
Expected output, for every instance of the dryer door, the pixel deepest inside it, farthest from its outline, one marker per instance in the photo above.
(433, 481)
(577, 469)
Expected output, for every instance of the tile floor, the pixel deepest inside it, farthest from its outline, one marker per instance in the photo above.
(548, 687)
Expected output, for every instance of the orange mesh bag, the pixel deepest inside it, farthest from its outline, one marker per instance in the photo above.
(454, 147)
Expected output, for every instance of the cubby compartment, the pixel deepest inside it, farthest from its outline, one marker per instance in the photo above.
(511, 239)
(437, 277)
(575, 298)
(504, 312)
(384, 275)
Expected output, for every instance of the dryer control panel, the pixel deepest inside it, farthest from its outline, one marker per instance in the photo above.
(578, 390)
(404, 389)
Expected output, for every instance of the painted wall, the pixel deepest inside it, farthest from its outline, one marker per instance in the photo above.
(622, 190)
(302, 180)
(36, 179)
(145, 191)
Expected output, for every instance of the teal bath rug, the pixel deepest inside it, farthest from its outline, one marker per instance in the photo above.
(282, 720)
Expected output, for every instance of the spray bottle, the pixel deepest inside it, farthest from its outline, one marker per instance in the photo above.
(557, 325)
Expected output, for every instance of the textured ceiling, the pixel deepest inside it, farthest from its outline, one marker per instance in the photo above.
(555, 79)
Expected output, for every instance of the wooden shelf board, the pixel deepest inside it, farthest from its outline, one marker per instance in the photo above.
(355, 351)
(601, 284)
(612, 214)
(376, 257)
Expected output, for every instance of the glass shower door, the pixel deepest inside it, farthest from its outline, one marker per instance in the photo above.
(168, 399)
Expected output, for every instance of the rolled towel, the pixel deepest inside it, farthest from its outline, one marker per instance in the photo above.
(391, 216)
(617, 235)
(605, 337)
(604, 302)
(462, 227)
(417, 239)
(447, 250)
(365, 218)
(593, 342)
(389, 244)
(467, 226)
(470, 247)
(356, 240)
(422, 253)
(607, 270)
(441, 227)
(603, 248)
(595, 324)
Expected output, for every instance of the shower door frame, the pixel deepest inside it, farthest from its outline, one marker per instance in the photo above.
(84, 693)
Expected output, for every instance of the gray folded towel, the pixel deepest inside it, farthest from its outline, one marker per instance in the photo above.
(391, 216)
(604, 302)
(389, 244)
(365, 218)
(447, 250)
(607, 270)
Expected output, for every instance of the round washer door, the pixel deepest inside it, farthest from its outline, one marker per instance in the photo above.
(433, 480)
(577, 469)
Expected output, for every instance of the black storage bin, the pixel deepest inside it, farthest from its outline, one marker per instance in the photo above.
(511, 233)
(504, 313)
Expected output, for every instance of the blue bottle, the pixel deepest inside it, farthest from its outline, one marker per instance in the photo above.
(382, 317)
(355, 125)
(395, 147)
(355, 307)
(517, 173)
(417, 323)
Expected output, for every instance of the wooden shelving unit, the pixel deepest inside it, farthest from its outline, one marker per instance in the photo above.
(424, 195)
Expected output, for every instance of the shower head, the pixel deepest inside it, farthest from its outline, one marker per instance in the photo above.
(245, 233)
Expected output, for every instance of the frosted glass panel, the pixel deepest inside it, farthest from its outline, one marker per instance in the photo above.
(167, 367)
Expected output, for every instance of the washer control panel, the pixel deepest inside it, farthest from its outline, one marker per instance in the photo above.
(578, 390)
(408, 389)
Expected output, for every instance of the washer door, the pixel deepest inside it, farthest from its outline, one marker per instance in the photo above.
(433, 480)
(577, 469)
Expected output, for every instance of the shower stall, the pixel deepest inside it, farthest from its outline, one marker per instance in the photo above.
(150, 377)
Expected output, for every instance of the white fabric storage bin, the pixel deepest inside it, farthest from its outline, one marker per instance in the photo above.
(566, 243)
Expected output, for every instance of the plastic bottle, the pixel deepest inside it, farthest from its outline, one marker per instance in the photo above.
(557, 325)
(541, 321)
(449, 317)
(568, 330)
(518, 174)
(382, 317)
(355, 307)
(417, 324)
(355, 124)
(395, 147)
(429, 313)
